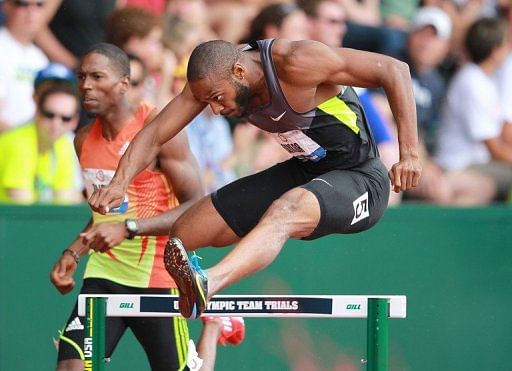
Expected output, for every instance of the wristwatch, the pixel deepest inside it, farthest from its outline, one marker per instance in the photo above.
(132, 227)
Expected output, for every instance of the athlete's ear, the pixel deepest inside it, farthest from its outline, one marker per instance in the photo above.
(238, 71)
(125, 83)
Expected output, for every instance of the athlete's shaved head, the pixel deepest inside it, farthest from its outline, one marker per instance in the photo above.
(216, 56)
(116, 56)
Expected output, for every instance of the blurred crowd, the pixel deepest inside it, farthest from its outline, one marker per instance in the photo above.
(458, 51)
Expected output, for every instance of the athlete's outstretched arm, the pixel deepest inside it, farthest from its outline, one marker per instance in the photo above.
(179, 165)
(145, 147)
(319, 64)
(62, 272)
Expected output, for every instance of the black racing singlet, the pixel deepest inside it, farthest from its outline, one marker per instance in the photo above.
(333, 135)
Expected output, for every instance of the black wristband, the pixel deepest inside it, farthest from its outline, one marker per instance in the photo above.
(74, 254)
(132, 227)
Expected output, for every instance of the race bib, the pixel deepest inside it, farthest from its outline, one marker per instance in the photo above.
(300, 145)
(98, 178)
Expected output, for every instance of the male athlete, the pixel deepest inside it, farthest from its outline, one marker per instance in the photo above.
(155, 198)
(335, 183)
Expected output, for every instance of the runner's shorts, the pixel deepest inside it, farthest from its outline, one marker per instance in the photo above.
(351, 200)
(165, 340)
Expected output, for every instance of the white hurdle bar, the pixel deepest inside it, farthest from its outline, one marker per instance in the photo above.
(376, 308)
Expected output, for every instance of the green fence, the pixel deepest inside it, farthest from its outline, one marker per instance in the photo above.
(454, 265)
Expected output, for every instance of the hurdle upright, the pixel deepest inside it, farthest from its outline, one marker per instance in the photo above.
(377, 309)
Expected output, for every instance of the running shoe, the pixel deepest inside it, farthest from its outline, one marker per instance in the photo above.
(233, 329)
(189, 277)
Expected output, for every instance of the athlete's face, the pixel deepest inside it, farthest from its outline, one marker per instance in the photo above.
(102, 85)
(242, 97)
(227, 97)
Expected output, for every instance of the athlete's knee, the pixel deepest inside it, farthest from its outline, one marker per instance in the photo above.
(196, 230)
(298, 210)
(292, 205)
(282, 209)
(177, 227)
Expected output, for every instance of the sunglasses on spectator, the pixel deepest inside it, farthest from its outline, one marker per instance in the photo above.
(332, 21)
(26, 4)
(51, 115)
(135, 83)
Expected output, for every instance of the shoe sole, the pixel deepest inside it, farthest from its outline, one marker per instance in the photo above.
(177, 264)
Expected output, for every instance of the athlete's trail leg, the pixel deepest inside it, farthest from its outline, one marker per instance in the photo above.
(296, 214)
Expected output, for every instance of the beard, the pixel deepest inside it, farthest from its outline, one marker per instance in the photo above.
(90, 114)
(242, 98)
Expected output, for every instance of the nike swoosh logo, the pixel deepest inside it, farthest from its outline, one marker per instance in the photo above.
(278, 117)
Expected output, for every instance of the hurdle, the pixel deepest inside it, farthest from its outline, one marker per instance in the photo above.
(375, 308)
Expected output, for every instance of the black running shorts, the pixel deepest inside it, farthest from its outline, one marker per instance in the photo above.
(351, 200)
(165, 340)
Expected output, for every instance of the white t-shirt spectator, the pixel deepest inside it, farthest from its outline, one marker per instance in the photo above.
(211, 143)
(503, 78)
(19, 65)
(472, 114)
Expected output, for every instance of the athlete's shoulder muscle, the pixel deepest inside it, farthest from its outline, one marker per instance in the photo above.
(305, 62)
(80, 137)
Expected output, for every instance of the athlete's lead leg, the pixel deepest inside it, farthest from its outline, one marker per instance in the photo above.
(296, 214)
(201, 226)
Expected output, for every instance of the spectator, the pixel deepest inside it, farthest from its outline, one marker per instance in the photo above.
(463, 13)
(503, 76)
(211, 143)
(326, 21)
(230, 19)
(138, 80)
(53, 72)
(20, 61)
(284, 20)
(71, 27)
(473, 135)
(37, 161)
(366, 29)
(181, 37)
(139, 32)
(364, 12)
(427, 47)
(2, 17)
(198, 14)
